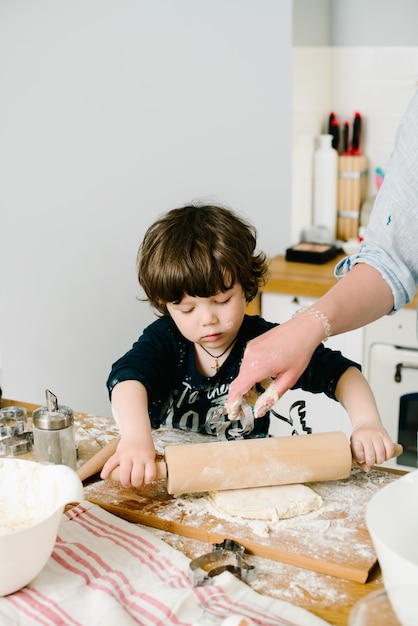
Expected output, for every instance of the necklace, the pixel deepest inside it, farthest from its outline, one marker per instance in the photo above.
(216, 366)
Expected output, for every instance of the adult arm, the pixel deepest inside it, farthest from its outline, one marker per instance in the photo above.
(382, 278)
(284, 352)
(359, 298)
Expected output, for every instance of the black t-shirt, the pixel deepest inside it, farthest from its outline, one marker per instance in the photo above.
(181, 397)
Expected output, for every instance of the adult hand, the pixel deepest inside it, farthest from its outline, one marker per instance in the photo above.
(281, 353)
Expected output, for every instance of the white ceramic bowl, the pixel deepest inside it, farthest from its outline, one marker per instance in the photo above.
(392, 520)
(32, 498)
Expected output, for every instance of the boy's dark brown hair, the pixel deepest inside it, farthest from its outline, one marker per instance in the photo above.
(199, 251)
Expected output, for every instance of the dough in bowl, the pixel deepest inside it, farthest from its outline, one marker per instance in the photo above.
(267, 503)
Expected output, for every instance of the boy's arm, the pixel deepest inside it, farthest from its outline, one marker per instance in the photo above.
(370, 442)
(135, 454)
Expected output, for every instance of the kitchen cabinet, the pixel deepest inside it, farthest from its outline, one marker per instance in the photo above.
(390, 359)
(300, 279)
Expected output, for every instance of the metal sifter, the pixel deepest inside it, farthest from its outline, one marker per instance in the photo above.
(53, 433)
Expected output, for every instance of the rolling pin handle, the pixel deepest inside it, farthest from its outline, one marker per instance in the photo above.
(161, 470)
(96, 462)
(398, 450)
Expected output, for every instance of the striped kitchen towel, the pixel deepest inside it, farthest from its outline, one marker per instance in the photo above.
(105, 571)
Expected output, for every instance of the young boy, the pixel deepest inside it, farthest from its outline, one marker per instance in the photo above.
(199, 267)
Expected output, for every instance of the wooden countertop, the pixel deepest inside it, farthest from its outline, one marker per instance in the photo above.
(299, 279)
(325, 596)
(302, 279)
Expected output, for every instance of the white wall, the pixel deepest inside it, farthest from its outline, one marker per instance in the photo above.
(372, 23)
(312, 86)
(111, 112)
(355, 23)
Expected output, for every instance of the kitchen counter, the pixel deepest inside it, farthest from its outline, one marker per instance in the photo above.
(326, 596)
(300, 279)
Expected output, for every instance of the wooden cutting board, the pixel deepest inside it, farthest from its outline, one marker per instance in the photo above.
(333, 540)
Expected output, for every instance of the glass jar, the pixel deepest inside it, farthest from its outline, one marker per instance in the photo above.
(53, 436)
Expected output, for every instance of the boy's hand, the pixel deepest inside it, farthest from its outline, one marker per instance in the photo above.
(371, 445)
(135, 461)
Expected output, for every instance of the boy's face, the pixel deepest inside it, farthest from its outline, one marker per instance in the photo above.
(212, 322)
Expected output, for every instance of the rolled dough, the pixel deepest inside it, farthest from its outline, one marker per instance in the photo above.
(267, 503)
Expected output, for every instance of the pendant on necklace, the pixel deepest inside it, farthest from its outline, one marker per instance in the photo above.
(216, 366)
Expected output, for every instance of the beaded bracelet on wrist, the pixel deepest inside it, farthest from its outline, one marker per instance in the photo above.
(319, 316)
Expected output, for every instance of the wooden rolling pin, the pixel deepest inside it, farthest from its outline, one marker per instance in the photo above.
(95, 463)
(218, 466)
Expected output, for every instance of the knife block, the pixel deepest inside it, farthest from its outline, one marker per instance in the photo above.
(352, 190)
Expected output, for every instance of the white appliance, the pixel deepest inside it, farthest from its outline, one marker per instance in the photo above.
(391, 367)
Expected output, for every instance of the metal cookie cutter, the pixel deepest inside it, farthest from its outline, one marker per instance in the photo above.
(225, 556)
(13, 438)
(16, 444)
(219, 422)
(12, 421)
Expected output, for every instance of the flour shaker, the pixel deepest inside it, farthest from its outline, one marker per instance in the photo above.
(53, 433)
